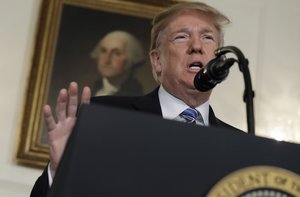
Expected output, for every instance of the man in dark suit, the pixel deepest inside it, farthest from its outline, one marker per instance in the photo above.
(183, 40)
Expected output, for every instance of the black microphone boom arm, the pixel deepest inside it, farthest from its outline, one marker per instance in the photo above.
(224, 69)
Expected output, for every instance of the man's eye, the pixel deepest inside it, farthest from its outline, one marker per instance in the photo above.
(115, 54)
(181, 37)
(102, 50)
(208, 37)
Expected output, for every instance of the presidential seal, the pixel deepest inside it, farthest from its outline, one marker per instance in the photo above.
(258, 181)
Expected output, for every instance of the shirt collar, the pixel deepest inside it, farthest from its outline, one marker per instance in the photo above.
(171, 106)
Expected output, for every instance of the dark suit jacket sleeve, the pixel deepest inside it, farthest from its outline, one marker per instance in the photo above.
(41, 186)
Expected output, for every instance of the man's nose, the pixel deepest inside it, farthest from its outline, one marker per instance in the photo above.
(195, 46)
(107, 57)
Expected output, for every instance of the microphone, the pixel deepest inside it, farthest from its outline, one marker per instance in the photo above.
(213, 73)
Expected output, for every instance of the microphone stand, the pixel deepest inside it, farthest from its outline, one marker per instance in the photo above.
(248, 93)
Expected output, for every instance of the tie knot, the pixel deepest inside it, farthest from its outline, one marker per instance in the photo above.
(190, 115)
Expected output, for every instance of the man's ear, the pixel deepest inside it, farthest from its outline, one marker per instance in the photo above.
(155, 61)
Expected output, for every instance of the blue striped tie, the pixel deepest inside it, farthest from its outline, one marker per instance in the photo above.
(190, 115)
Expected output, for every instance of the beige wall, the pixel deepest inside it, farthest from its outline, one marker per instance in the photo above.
(17, 28)
(267, 31)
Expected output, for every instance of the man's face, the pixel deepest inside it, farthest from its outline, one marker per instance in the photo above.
(186, 45)
(112, 59)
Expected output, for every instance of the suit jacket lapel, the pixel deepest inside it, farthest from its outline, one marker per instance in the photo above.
(148, 103)
(212, 118)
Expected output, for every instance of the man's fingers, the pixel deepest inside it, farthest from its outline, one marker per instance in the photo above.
(61, 105)
(86, 95)
(50, 122)
(67, 101)
(73, 99)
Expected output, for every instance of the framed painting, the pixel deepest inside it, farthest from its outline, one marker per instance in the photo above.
(67, 33)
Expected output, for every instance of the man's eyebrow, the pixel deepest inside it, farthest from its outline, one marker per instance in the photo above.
(187, 30)
(184, 29)
(181, 30)
(206, 30)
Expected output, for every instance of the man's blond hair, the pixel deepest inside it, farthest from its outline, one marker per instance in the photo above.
(162, 19)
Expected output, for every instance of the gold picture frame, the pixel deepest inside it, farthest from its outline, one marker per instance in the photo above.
(32, 150)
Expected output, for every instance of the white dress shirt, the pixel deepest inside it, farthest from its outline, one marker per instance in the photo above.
(171, 106)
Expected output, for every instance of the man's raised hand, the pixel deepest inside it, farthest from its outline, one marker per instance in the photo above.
(59, 129)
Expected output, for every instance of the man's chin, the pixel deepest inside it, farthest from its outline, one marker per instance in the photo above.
(195, 91)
